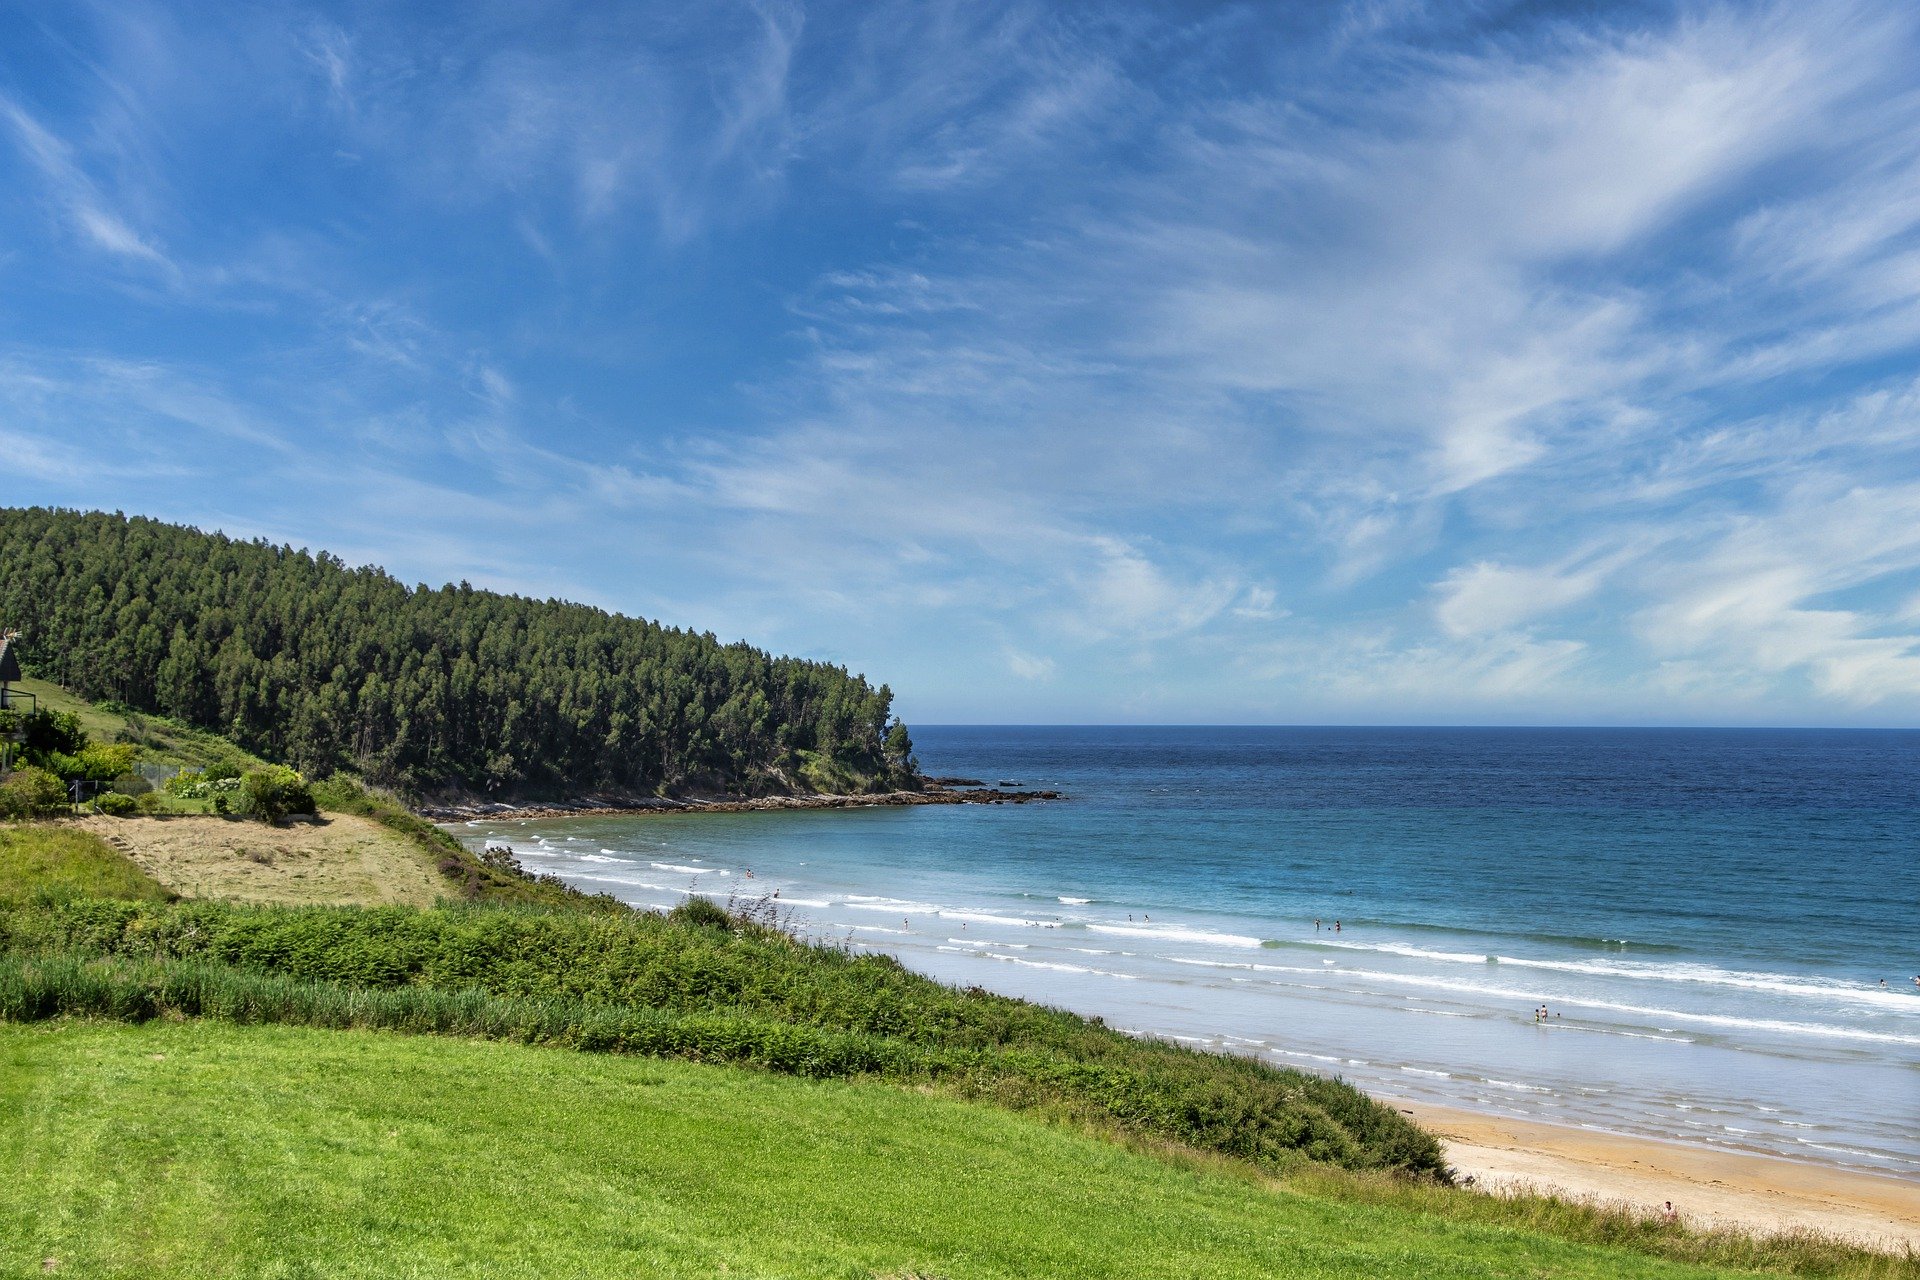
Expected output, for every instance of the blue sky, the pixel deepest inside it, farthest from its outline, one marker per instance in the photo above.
(1368, 362)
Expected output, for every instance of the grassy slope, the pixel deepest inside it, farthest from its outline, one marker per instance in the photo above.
(641, 983)
(199, 1150)
(41, 857)
(340, 859)
(163, 741)
(168, 742)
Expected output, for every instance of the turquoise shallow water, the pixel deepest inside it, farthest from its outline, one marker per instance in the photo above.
(1707, 915)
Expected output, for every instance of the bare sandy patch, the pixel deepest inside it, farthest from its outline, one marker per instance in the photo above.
(341, 858)
(1708, 1187)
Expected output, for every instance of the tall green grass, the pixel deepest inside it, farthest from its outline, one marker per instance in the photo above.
(52, 860)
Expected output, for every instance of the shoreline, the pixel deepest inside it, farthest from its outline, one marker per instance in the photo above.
(643, 806)
(1709, 1187)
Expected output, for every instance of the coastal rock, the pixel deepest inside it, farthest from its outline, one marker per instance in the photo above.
(625, 806)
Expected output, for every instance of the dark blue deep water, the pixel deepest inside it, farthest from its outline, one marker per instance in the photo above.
(1708, 915)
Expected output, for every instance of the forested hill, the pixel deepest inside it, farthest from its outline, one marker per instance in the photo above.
(304, 659)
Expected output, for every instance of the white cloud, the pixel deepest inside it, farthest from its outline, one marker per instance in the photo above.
(1029, 666)
(76, 193)
(1485, 597)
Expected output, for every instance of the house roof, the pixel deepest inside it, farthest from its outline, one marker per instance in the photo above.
(9, 661)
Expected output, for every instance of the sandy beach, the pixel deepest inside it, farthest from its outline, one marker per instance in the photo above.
(1707, 1187)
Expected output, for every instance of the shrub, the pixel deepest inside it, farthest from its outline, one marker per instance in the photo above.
(104, 762)
(194, 785)
(220, 770)
(273, 793)
(702, 911)
(115, 804)
(148, 802)
(32, 792)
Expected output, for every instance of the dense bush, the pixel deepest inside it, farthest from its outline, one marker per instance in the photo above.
(195, 785)
(54, 741)
(646, 983)
(702, 911)
(31, 792)
(115, 804)
(274, 794)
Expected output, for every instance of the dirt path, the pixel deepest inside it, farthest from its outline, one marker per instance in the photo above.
(341, 858)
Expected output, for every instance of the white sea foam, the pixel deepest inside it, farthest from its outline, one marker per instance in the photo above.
(988, 917)
(873, 928)
(894, 906)
(594, 857)
(803, 902)
(1825, 1030)
(1175, 933)
(1076, 902)
(683, 870)
(1802, 987)
(1059, 968)
(1515, 1084)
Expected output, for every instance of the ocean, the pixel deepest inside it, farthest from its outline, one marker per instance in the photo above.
(1708, 916)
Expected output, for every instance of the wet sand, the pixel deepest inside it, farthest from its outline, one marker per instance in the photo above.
(1708, 1187)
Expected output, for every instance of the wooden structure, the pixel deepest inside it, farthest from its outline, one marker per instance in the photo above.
(11, 698)
(10, 675)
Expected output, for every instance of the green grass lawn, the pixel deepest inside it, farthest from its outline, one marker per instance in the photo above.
(38, 857)
(206, 1150)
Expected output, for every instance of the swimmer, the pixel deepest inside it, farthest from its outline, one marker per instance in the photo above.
(1336, 926)
(1316, 926)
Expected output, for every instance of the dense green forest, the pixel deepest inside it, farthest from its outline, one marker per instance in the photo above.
(302, 658)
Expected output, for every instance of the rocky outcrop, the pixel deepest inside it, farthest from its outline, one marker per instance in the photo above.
(619, 805)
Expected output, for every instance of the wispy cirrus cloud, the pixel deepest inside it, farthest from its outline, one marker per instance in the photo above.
(1470, 361)
(75, 194)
